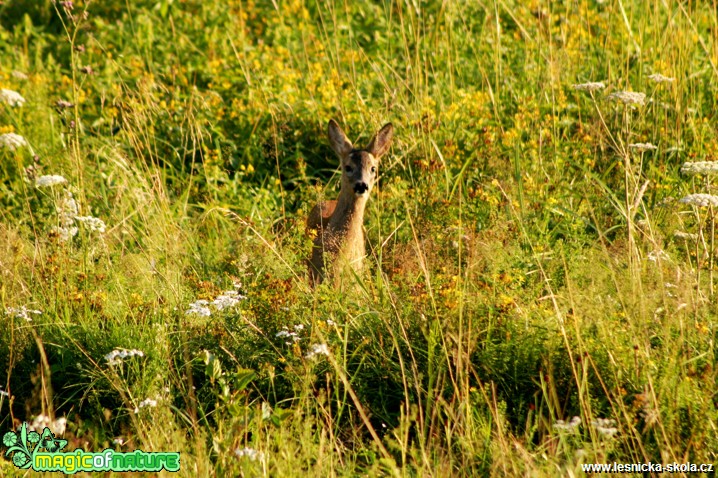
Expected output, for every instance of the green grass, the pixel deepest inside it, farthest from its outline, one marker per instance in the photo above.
(522, 266)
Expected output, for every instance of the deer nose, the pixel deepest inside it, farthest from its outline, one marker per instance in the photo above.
(360, 188)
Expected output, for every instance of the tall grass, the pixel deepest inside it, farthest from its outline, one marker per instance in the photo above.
(523, 268)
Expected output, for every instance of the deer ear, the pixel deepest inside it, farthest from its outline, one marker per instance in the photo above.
(338, 140)
(380, 143)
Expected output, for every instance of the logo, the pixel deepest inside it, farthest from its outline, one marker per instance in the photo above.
(43, 452)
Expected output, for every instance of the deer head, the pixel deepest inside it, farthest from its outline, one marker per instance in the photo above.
(359, 166)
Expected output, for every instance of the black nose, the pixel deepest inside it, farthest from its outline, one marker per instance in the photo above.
(360, 188)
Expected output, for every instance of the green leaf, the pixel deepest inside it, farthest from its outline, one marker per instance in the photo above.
(243, 378)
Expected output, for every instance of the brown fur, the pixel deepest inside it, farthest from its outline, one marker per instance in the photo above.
(340, 237)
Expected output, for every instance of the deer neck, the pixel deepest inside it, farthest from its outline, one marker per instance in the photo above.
(348, 217)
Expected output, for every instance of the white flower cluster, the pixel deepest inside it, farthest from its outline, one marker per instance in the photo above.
(605, 426)
(703, 200)
(591, 86)
(49, 180)
(67, 210)
(41, 421)
(700, 167)
(317, 349)
(250, 453)
(94, 223)
(13, 98)
(200, 308)
(147, 402)
(628, 97)
(118, 355)
(22, 312)
(569, 427)
(658, 78)
(226, 300)
(12, 141)
(641, 147)
(290, 336)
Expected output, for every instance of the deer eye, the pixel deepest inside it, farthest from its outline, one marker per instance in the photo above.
(348, 169)
(373, 169)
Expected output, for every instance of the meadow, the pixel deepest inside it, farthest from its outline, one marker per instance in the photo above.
(540, 289)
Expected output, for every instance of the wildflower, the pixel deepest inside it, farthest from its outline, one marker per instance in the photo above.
(13, 98)
(590, 87)
(52, 180)
(330, 322)
(67, 210)
(19, 75)
(40, 422)
(703, 200)
(570, 426)
(628, 97)
(687, 236)
(117, 355)
(299, 327)
(317, 349)
(65, 233)
(605, 426)
(62, 104)
(225, 300)
(87, 70)
(21, 312)
(289, 335)
(641, 147)
(3, 393)
(94, 223)
(228, 299)
(147, 402)
(118, 441)
(12, 141)
(700, 167)
(67, 5)
(250, 453)
(199, 308)
(658, 78)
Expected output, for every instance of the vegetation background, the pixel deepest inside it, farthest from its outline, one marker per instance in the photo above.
(529, 260)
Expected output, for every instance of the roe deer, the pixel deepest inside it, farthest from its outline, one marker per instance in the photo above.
(340, 239)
